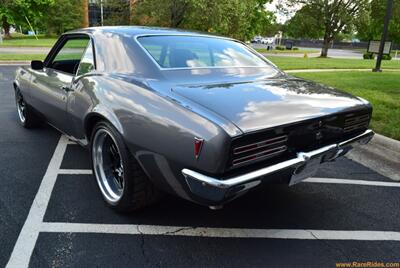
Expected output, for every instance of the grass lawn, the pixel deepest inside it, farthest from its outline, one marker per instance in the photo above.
(293, 63)
(381, 89)
(28, 41)
(22, 57)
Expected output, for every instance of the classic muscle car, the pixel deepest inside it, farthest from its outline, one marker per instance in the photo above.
(204, 117)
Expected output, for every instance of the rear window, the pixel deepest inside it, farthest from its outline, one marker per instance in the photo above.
(196, 51)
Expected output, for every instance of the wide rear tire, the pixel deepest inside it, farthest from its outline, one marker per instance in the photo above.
(121, 180)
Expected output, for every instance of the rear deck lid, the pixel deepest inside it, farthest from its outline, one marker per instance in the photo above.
(263, 104)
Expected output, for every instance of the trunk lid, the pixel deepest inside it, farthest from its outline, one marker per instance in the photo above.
(264, 104)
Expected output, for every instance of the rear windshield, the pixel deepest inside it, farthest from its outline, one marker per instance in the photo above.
(196, 51)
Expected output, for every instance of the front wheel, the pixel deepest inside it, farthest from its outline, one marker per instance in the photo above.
(26, 115)
(121, 180)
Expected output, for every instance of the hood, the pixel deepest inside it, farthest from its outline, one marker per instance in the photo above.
(258, 105)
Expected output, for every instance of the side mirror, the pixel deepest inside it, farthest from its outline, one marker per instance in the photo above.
(37, 65)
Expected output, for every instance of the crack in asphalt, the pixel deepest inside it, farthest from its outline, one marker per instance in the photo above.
(179, 230)
(142, 245)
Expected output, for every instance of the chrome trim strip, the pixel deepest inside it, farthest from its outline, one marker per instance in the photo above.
(259, 155)
(301, 158)
(264, 143)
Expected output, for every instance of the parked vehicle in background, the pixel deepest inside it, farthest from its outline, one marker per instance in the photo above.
(203, 117)
(268, 41)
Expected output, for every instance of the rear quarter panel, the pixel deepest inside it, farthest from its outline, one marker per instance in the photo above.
(159, 132)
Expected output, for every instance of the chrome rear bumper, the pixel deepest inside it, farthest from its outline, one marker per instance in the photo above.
(217, 190)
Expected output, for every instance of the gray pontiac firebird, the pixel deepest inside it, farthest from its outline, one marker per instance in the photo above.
(200, 116)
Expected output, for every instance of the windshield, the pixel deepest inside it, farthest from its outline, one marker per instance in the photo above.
(196, 51)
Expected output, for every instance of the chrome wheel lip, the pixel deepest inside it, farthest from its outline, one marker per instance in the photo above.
(21, 107)
(111, 187)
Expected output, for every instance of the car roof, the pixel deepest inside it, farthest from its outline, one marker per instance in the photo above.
(133, 31)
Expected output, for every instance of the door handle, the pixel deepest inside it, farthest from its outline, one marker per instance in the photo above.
(66, 88)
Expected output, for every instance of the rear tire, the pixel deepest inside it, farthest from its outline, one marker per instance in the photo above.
(121, 180)
(26, 116)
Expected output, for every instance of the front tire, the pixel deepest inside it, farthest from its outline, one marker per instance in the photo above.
(121, 180)
(26, 116)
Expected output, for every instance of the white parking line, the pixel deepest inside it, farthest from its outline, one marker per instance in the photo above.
(30, 231)
(75, 172)
(34, 224)
(355, 182)
(133, 229)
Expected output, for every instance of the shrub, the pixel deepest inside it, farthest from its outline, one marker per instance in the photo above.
(295, 48)
(369, 56)
(280, 48)
(386, 57)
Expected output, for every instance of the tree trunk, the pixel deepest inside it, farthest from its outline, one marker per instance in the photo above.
(6, 27)
(325, 47)
(85, 18)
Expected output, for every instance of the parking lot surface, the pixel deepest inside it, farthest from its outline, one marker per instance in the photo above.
(51, 214)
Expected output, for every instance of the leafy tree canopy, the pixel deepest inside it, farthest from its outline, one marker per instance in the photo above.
(325, 18)
(62, 16)
(16, 11)
(369, 24)
(236, 18)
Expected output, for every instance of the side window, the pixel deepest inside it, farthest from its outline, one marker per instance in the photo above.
(87, 62)
(69, 56)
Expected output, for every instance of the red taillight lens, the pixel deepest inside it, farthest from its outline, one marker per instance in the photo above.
(198, 143)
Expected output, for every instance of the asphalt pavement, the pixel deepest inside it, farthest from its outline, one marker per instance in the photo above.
(52, 215)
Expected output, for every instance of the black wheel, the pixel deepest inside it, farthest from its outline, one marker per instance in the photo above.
(26, 116)
(121, 180)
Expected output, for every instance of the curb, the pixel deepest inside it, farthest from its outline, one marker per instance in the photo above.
(382, 155)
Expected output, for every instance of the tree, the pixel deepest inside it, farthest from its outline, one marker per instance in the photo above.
(116, 12)
(17, 11)
(62, 16)
(236, 18)
(302, 25)
(168, 13)
(369, 24)
(330, 16)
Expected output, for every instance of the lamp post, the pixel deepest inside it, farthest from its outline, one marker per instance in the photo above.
(101, 13)
(389, 8)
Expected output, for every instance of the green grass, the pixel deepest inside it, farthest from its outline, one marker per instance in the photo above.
(381, 89)
(293, 63)
(275, 51)
(28, 41)
(22, 57)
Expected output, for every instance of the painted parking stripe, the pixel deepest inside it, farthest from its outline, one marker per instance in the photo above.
(30, 231)
(75, 172)
(355, 182)
(133, 229)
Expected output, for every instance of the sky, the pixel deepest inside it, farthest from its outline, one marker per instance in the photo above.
(281, 18)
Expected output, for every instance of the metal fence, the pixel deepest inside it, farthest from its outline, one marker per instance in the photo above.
(335, 44)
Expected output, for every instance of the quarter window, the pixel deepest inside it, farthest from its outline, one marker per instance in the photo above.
(87, 62)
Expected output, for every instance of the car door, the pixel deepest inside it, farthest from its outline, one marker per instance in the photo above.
(51, 86)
